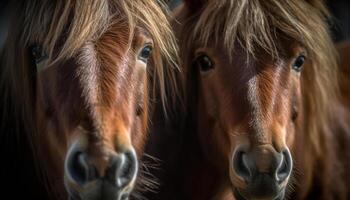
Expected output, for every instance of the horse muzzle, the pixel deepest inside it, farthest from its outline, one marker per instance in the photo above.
(108, 177)
(263, 172)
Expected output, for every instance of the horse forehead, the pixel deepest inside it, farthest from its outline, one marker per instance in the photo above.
(104, 73)
(258, 83)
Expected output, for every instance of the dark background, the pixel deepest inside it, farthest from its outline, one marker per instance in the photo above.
(340, 24)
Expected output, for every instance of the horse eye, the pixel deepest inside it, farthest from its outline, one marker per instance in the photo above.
(298, 63)
(204, 63)
(294, 113)
(139, 110)
(145, 53)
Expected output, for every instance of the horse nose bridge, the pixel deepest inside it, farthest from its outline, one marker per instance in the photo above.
(100, 162)
(110, 131)
(104, 133)
(273, 134)
(102, 118)
(266, 158)
(99, 152)
(259, 136)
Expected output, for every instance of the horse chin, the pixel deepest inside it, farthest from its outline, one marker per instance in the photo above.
(100, 189)
(244, 195)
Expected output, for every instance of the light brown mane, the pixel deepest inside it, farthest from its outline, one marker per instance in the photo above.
(63, 27)
(254, 24)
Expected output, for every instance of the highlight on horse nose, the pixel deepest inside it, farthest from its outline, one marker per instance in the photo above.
(285, 167)
(123, 168)
(120, 169)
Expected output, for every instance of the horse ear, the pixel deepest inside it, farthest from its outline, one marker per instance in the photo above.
(195, 5)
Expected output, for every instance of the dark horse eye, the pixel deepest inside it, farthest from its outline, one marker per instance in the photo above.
(145, 53)
(294, 113)
(298, 63)
(139, 110)
(204, 63)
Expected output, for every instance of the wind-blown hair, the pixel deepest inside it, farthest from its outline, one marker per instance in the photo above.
(62, 27)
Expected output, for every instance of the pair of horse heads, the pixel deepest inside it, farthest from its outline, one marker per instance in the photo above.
(79, 79)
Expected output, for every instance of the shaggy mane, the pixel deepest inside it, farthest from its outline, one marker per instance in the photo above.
(254, 24)
(63, 27)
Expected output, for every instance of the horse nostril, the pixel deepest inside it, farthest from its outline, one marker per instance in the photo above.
(241, 165)
(123, 168)
(285, 167)
(78, 168)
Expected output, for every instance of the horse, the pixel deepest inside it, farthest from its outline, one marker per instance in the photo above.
(263, 117)
(77, 85)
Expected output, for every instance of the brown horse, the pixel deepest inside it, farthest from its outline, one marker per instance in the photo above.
(264, 120)
(76, 77)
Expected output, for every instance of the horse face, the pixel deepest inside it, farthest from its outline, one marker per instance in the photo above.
(96, 111)
(248, 112)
